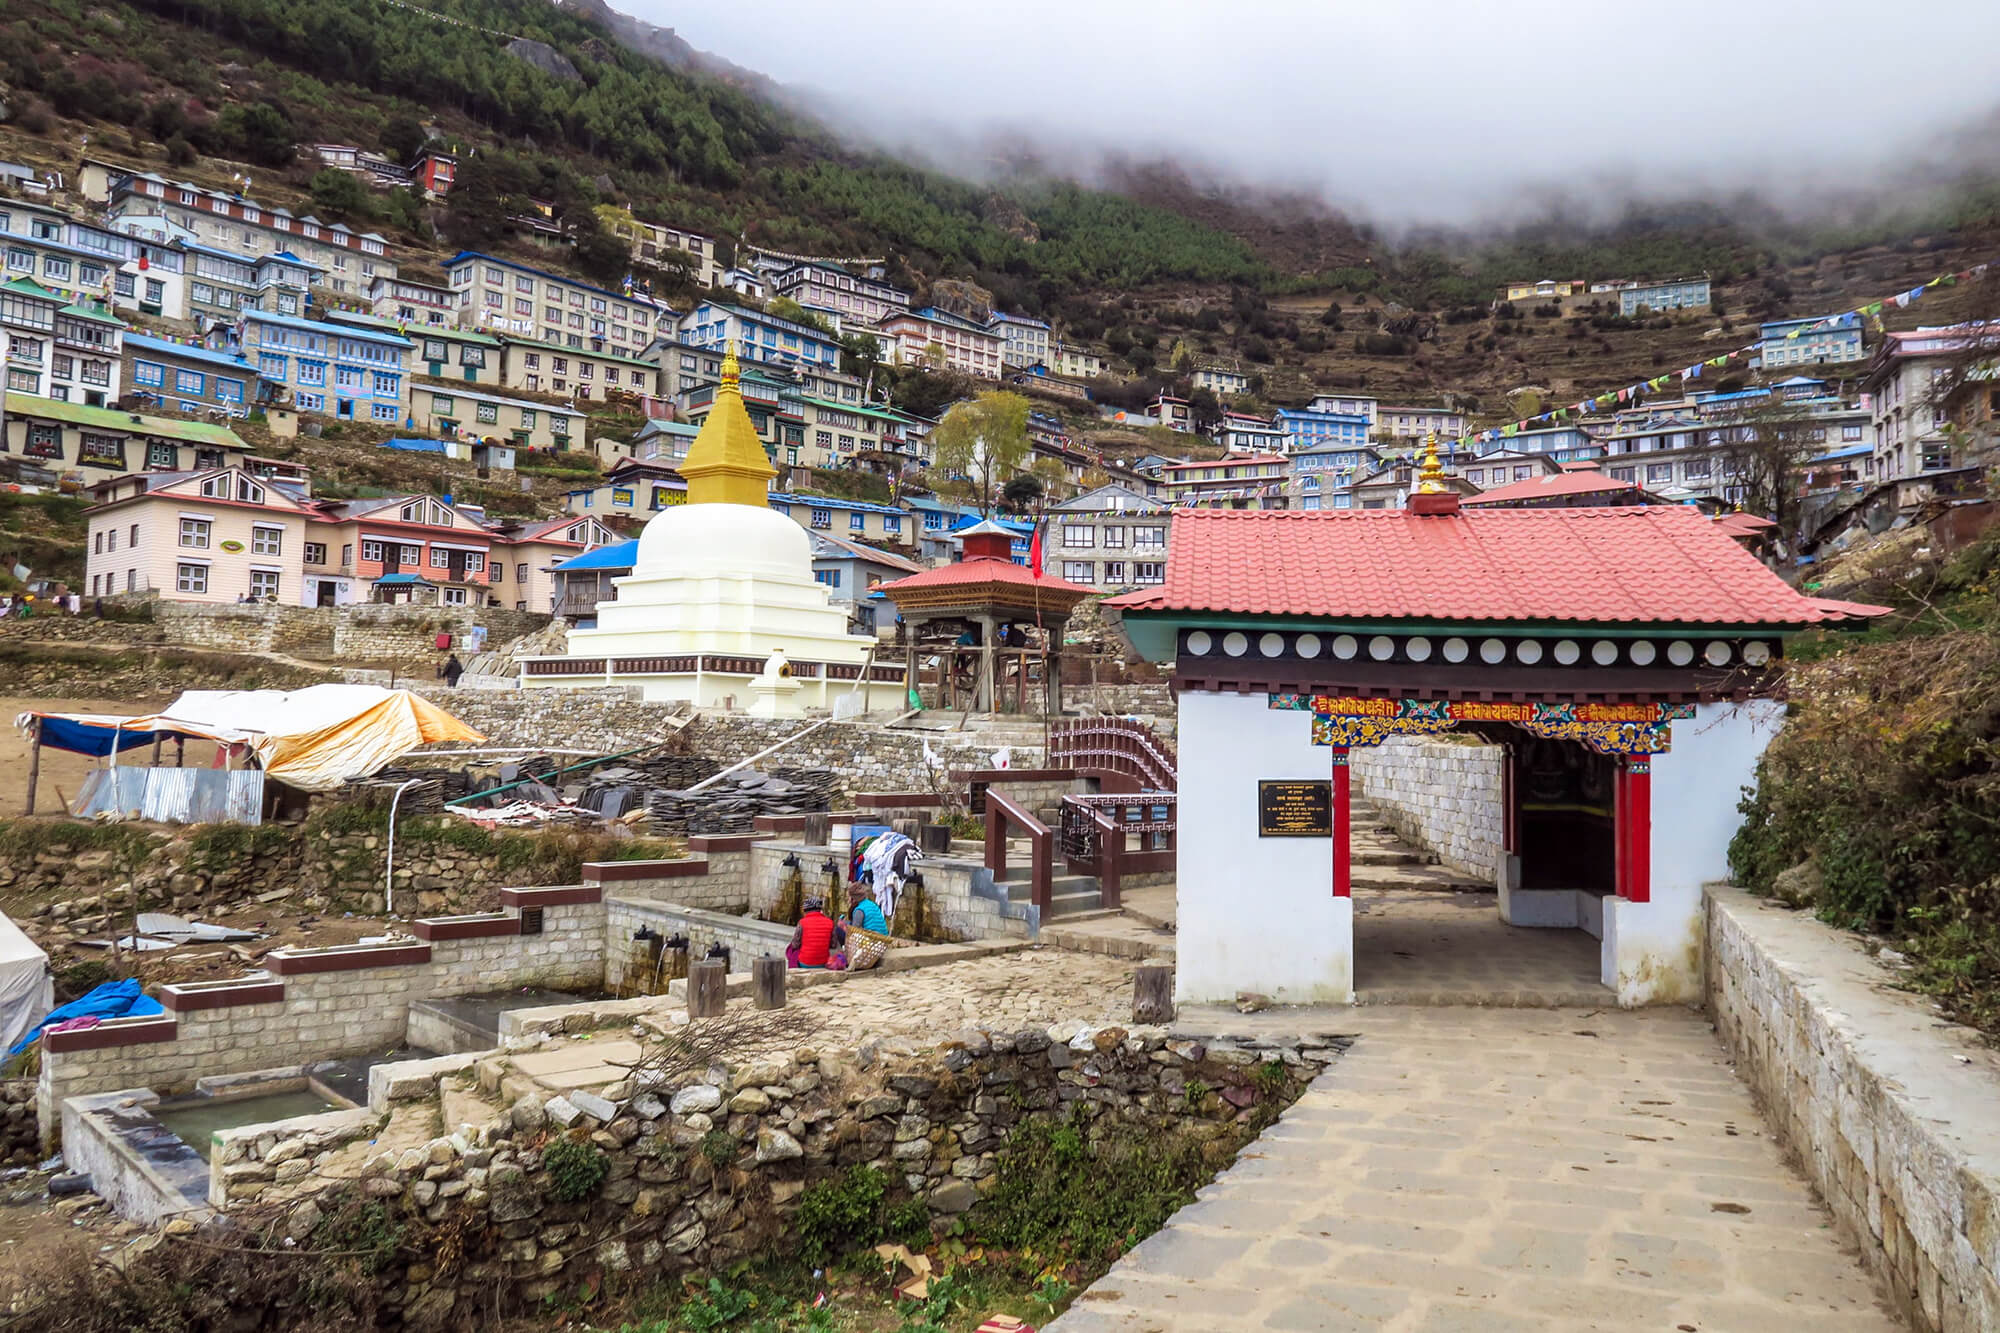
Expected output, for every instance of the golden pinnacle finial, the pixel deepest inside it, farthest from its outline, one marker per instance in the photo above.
(732, 371)
(1430, 481)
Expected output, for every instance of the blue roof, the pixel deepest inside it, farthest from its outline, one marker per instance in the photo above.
(1848, 451)
(144, 342)
(400, 579)
(333, 330)
(1014, 526)
(618, 555)
(417, 446)
(829, 502)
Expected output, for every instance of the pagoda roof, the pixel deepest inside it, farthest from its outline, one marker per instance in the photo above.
(1627, 564)
(985, 581)
(1552, 486)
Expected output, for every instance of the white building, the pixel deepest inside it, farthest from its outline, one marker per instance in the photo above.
(1027, 339)
(1222, 383)
(500, 296)
(1904, 387)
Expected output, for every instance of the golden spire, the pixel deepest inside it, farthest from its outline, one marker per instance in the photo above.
(726, 464)
(1430, 481)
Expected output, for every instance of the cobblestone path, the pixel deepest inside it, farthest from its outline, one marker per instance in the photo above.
(1468, 1170)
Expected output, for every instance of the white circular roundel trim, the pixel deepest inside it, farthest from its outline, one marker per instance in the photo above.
(1756, 653)
(1604, 652)
(1271, 644)
(1307, 645)
(1680, 652)
(1643, 653)
(1717, 653)
(1235, 644)
(1344, 646)
(1567, 652)
(1199, 643)
(1528, 651)
(1456, 650)
(1418, 650)
(1492, 651)
(1381, 647)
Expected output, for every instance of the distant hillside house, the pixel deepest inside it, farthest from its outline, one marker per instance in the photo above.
(222, 284)
(434, 172)
(1679, 294)
(1565, 444)
(1542, 289)
(862, 300)
(451, 411)
(663, 247)
(1241, 434)
(1027, 339)
(1249, 481)
(234, 222)
(411, 302)
(347, 373)
(1222, 383)
(1493, 470)
(84, 262)
(633, 488)
(1416, 423)
(1310, 428)
(854, 519)
(965, 346)
(55, 437)
(55, 348)
(193, 380)
(211, 535)
(713, 325)
(1077, 363)
(569, 372)
(502, 297)
(1796, 342)
(1346, 404)
(1109, 538)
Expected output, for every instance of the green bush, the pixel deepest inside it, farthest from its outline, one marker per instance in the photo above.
(835, 1216)
(576, 1168)
(1064, 1197)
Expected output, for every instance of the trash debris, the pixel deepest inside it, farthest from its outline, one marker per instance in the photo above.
(917, 1285)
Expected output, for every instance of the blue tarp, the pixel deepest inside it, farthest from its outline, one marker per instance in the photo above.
(416, 446)
(114, 999)
(87, 738)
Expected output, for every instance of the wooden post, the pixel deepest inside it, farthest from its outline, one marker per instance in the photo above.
(1153, 993)
(986, 701)
(934, 839)
(707, 988)
(34, 765)
(157, 741)
(819, 829)
(769, 976)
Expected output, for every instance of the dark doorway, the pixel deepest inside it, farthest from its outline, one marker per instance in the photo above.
(1566, 825)
(325, 594)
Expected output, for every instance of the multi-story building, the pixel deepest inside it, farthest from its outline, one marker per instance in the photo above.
(89, 263)
(191, 379)
(1310, 428)
(337, 370)
(434, 170)
(59, 349)
(1323, 477)
(1242, 434)
(934, 521)
(1077, 363)
(544, 367)
(1504, 467)
(52, 436)
(1248, 481)
(238, 224)
(634, 488)
(842, 434)
(1565, 444)
(1111, 537)
(213, 535)
(449, 410)
(439, 350)
(1222, 383)
(1541, 289)
(1678, 294)
(1171, 412)
(405, 548)
(1027, 339)
(1819, 341)
(1347, 405)
(411, 303)
(857, 520)
(1906, 386)
(712, 326)
(502, 297)
(1417, 423)
(930, 334)
(526, 551)
(659, 246)
(221, 284)
(823, 287)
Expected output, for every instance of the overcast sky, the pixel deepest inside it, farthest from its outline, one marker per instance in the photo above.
(1398, 110)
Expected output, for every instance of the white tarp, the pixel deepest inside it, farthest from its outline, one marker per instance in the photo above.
(27, 992)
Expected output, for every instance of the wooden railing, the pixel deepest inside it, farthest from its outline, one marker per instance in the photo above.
(1113, 836)
(1002, 811)
(1115, 746)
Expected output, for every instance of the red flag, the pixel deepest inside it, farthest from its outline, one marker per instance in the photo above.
(1035, 552)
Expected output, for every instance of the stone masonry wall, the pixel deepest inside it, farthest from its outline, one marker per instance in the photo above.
(299, 1015)
(1442, 795)
(626, 961)
(720, 882)
(352, 634)
(704, 1174)
(965, 903)
(1889, 1112)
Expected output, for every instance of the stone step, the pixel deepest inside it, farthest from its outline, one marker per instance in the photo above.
(1385, 856)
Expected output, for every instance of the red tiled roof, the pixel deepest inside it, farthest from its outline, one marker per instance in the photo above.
(1741, 525)
(984, 569)
(1620, 564)
(1552, 486)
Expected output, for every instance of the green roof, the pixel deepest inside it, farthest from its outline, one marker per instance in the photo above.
(409, 330)
(126, 423)
(94, 313)
(28, 287)
(564, 350)
(859, 409)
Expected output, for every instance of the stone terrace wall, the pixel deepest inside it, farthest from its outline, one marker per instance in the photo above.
(626, 961)
(709, 1173)
(319, 1004)
(1442, 795)
(965, 902)
(361, 633)
(1891, 1114)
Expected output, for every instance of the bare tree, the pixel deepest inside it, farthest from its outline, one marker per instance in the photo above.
(1763, 447)
(1965, 392)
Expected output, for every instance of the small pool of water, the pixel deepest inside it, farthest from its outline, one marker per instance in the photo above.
(194, 1121)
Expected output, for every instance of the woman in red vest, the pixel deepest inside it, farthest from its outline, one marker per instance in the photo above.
(818, 939)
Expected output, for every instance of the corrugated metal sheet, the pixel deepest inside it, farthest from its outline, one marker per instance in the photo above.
(175, 795)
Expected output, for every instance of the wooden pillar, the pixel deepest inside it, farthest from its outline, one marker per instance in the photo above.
(34, 765)
(157, 740)
(988, 631)
(1639, 818)
(768, 974)
(1153, 993)
(1343, 850)
(707, 988)
(1052, 663)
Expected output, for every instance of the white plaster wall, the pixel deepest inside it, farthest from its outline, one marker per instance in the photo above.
(1256, 914)
(1651, 951)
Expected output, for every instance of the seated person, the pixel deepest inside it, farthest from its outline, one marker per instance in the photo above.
(816, 942)
(866, 912)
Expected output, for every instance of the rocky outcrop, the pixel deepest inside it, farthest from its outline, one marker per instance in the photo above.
(544, 58)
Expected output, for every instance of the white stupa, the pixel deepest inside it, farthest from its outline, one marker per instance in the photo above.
(721, 607)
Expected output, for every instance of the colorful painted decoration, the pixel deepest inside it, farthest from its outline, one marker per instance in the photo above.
(1605, 728)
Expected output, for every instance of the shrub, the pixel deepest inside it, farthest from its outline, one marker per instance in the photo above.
(576, 1168)
(1064, 1197)
(835, 1216)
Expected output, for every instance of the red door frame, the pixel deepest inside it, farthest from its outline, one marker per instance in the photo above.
(1343, 852)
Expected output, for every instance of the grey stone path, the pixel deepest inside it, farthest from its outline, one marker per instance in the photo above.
(1467, 1170)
